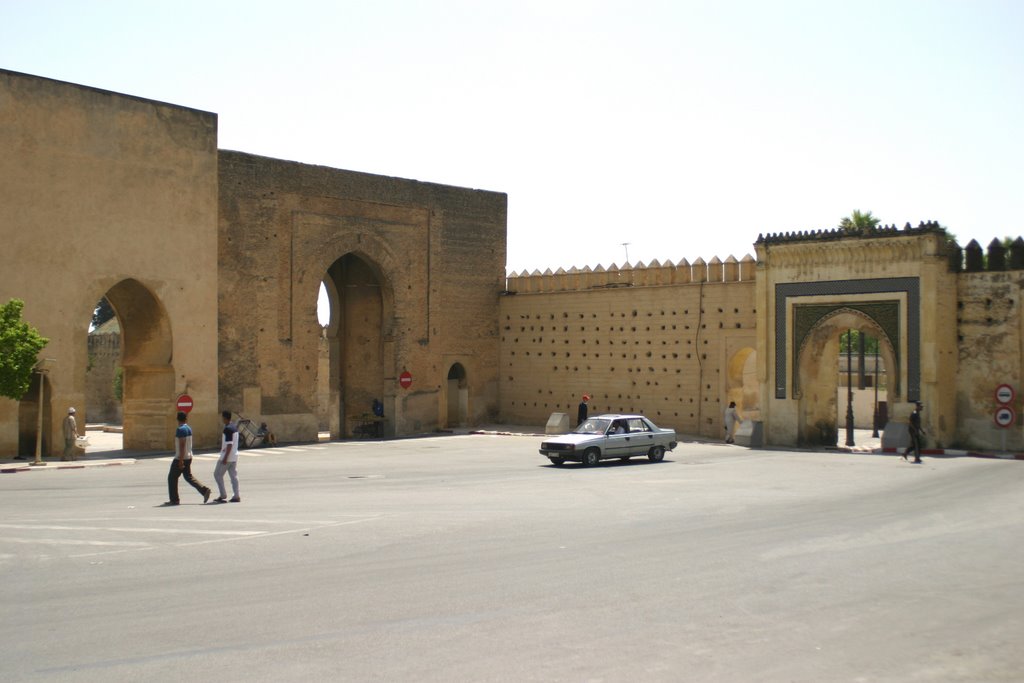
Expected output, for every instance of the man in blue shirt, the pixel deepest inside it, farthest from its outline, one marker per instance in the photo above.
(181, 465)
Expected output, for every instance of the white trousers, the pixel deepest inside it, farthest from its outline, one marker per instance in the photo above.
(218, 473)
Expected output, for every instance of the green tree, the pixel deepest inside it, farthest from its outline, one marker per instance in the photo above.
(853, 337)
(858, 222)
(20, 344)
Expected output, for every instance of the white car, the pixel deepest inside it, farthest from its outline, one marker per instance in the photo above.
(607, 437)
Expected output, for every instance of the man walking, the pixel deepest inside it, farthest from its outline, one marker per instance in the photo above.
(915, 433)
(181, 465)
(70, 434)
(227, 461)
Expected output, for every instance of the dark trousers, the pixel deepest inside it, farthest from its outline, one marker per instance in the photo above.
(183, 471)
(915, 445)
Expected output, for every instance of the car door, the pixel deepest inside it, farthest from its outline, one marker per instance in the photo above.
(641, 438)
(617, 445)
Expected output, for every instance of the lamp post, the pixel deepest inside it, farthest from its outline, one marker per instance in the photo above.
(874, 416)
(849, 388)
(42, 367)
(626, 245)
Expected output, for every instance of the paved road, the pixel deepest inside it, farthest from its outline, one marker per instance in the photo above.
(469, 558)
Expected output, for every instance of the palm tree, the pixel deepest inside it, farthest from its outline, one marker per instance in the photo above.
(859, 222)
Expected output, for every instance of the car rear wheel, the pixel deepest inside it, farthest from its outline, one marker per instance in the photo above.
(591, 457)
(656, 454)
(557, 462)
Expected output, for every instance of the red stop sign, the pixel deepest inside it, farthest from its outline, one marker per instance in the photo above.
(184, 403)
(405, 379)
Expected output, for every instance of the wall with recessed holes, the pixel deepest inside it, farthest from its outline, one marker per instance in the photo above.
(673, 342)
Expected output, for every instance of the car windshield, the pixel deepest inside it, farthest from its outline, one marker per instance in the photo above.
(592, 426)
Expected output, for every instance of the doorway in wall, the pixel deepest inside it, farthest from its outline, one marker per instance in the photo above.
(457, 396)
(820, 416)
(352, 347)
(147, 374)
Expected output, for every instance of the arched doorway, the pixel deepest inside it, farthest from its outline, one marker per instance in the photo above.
(355, 345)
(742, 385)
(457, 396)
(816, 376)
(148, 376)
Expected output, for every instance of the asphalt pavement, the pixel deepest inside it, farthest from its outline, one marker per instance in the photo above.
(471, 558)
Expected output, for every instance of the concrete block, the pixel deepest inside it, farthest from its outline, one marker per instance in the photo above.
(558, 423)
(750, 433)
(896, 435)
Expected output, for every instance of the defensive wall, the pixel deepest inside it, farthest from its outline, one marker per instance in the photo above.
(212, 261)
(412, 269)
(674, 341)
(103, 194)
(677, 342)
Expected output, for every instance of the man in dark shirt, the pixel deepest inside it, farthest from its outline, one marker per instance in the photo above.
(581, 414)
(915, 433)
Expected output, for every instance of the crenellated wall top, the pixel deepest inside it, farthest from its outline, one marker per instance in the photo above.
(639, 274)
(924, 227)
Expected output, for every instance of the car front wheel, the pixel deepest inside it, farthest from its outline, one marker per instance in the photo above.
(557, 462)
(656, 454)
(591, 457)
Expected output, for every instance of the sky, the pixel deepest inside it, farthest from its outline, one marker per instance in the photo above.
(621, 132)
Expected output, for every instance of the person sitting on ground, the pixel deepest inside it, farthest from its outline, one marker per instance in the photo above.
(268, 436)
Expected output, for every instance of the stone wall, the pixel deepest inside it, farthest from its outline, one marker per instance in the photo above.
(990, 336)
(670, 341)
(413, 271)
(103, 194)
(104, 362)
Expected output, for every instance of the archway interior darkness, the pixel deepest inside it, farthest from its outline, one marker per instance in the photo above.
(457, 392)
(821, 417)
(148, 376)
(354, 364)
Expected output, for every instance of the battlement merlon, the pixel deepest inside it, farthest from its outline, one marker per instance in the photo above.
(654, 274)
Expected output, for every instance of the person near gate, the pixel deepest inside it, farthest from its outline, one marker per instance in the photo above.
(181, 464)
(916, 433)
(731, 417)
(227, 461)
(581, 412)
(70, 434)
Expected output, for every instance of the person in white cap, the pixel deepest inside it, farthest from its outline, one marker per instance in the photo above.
(70, 433)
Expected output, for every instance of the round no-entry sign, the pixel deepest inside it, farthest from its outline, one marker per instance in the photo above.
(184, 403)
(405, 379)
(1004, 394)
(1004, 416)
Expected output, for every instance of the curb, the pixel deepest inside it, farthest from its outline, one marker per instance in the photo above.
(956, 452)
(50, 466)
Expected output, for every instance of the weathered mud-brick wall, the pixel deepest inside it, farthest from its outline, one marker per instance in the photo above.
(109, 195)
(104, 363)
(991, 343)
(413, 271)
(669, 341)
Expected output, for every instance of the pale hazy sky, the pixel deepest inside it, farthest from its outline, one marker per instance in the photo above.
(682, 127)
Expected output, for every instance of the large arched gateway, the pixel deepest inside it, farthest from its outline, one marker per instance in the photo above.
(360, 303)
(146, 356)
(816, 378)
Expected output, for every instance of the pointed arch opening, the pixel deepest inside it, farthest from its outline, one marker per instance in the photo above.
(456, 397)
(818, 363)
(354, 347)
